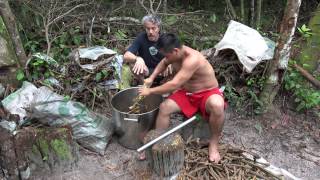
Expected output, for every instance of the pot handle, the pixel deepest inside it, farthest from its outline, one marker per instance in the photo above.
(131, 119)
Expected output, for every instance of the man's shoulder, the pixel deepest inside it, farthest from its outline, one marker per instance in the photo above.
(142, 36)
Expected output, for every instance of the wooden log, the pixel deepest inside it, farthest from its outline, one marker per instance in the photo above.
(308, 76)
(166, 157)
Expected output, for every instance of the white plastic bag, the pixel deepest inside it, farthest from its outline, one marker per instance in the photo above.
(248, 44)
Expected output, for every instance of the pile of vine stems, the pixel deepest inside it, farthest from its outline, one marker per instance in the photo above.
(234, 165)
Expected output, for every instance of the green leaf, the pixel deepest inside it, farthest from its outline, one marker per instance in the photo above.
(20, 75)
(47, 74)
(120, 35)
(171, 20)
(45, 158)
(77, 40)
(66, 98)
(98, 76)
(213, 18)
(105, 72)
(305, 28)
(305, 65)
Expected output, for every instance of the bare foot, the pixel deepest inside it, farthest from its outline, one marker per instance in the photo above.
(214, 155)
(142, 156)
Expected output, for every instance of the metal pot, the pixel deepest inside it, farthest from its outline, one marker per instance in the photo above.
(130, 127)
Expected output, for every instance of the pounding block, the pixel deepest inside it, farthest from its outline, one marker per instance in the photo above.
(166, 157)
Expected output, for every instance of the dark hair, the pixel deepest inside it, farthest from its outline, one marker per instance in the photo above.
(167, 42)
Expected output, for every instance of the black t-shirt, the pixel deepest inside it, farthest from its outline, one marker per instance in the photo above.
(147, 50)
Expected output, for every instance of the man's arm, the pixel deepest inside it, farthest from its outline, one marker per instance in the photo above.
(163, 64)
(129, 57)
(184, 74)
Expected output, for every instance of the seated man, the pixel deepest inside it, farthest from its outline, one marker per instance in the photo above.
(194, 88)
(142, 55)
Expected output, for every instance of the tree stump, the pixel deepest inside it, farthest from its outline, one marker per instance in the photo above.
(35, 151)
(166, 157)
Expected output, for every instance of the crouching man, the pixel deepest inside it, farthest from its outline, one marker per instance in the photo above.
(194, 88)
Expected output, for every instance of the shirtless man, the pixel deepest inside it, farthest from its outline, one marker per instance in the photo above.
(194, 88)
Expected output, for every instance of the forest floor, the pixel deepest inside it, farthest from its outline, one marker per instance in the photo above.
(286, 139)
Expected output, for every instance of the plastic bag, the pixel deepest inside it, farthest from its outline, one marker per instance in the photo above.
(250, 47)
(92, 131)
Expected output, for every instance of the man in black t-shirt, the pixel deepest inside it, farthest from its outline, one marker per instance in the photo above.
(142, 55)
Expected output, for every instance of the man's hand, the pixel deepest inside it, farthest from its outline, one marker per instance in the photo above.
(148, 82)
(144, 91)
(168, 71)
(139, 67)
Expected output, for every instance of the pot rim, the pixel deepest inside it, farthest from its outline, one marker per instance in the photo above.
(115, 109)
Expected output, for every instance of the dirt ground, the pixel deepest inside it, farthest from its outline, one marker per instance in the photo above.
(285, 139)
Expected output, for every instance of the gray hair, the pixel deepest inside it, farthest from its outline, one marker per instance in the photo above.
(152, 18)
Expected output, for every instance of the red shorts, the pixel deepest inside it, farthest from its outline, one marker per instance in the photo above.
(190, 103)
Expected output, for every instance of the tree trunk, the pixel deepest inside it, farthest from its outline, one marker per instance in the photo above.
(280, 60)
(258, 13)
(251, 19)
(35, 149)
(166, 157)
(230, 7)
(242, 11)
(11, 25)
(165, 6)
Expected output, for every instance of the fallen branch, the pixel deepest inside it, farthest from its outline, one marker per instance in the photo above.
(121, 19)
(308, 76)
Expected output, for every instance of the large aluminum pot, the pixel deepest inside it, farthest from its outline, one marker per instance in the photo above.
(129, 127)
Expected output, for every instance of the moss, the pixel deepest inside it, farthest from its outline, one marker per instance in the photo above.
(311, 52)
(44, 148)
(61, 148)
(34, 149)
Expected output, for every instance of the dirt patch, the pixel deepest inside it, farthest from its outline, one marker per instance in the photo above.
(285, 139)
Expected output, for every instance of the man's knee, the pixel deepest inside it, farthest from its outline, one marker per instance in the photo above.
(168, 106)
(215, 105)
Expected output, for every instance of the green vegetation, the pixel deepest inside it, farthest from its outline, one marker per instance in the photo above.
(199, 24)
(61, 148)
(305, 95)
